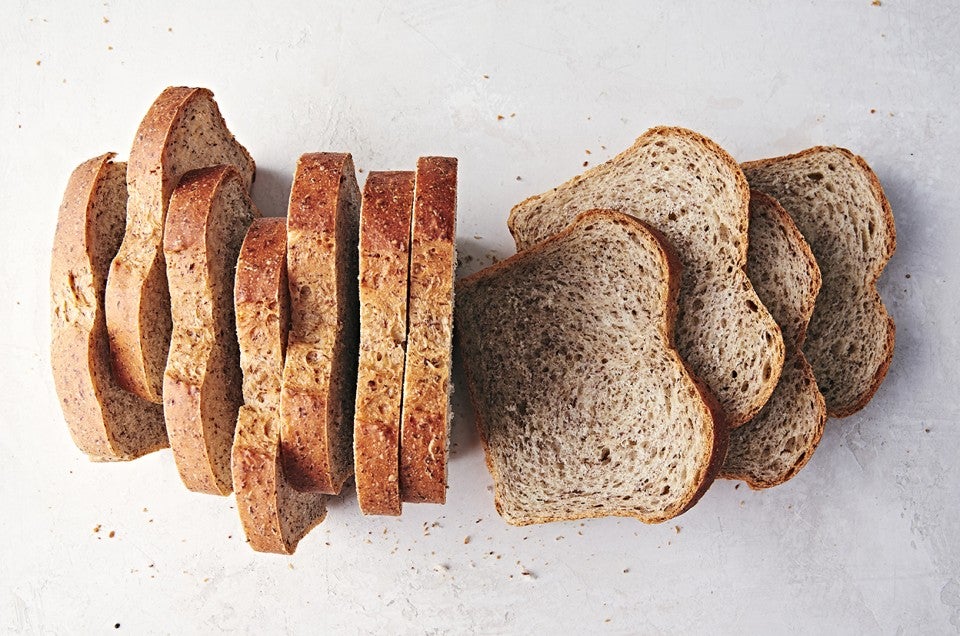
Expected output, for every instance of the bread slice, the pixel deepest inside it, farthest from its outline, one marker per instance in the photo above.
(687, 187)
(182, 131)
(839, 206)
(426, 379)
(275, 516)
(384, 263)
(584, 407)
(105, 422)
(320, 372)
(209, 214)
(772, 447)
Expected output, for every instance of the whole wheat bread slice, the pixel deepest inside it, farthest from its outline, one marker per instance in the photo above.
(320, 372)
(837, 202)
(105, 422)
(692, 191)
(384, 263)
(584, 407)
(426, 379)
(182, 131)
(773, 447)
(208, 218)
(275, 516)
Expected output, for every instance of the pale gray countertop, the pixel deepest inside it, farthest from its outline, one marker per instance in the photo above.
(865, 540)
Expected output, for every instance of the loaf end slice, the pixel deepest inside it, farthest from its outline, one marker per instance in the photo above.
(839, 206)
(320, 371)
(773, 446)
(691, 190)
(424, 432)
(583, 404)
(105, 422)
(275, 516)
(384, 264)
(207, 220)
(182, 131)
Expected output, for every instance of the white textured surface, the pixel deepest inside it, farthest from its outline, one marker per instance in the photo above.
(865, 540)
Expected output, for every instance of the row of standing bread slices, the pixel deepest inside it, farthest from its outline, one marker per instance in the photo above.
(258, 322)
(662, 266)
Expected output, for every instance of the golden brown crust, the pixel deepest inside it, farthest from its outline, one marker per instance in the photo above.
(426, 390)
(384, 263)
(316, 404)
(710, 465)
(201, 389)
(105, 422)
(274, 516)
(890, 245)
(137, 304)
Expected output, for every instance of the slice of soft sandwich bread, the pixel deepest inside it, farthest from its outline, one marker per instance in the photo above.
(837, 202)
(691, 190)
(583, 405)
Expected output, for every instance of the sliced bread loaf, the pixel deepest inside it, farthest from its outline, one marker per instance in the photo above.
(426, 379)
(208, 217)
(182, 131)
(772, 447)
(275, 516)
(837, 202)
(689, 188)
(584, 407)
(106, 422)
(320, 372)
(384, 263)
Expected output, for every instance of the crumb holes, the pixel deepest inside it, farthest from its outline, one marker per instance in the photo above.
(815, 176)
(745, 386)
(832, 166)
(752, 306)
(313, 357)
(604, 455)
(733, 374)
(666, 490)
(767, 371)
(305, 292)
(672, 217)
(871, 228)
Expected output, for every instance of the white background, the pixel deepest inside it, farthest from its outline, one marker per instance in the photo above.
(865, 540)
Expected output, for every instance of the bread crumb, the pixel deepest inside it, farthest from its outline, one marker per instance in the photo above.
(736, 487)
(477, 237)
(441, 568)
(290, 565)
(466, 540)
(588, 151)
(116, 626)
(106, 20)
(112, 534)
(528, 574)
(875, 3)
(602, 147)
(96, 528)
(907, 276)
(626, 570)
(518, 178)
(677, 529)
(513, 114)
(206, 580)
(586, 163)
(109, 47)
(169, 29)
(38, 62)
(742, 503)
(486, 77)
(559, 538)
(500, 117)
(873, 111)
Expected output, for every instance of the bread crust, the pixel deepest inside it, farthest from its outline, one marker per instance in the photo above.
(426, 391)
(384, 267)
(319, 375)
(201, 390)
(794, 359)
(718, 432)
(889, 247)
(105, 422)
(739, 279)
(137, 302)
(274, 515)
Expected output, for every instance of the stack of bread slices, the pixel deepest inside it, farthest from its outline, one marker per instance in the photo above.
(672, 317)
(276, 357)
